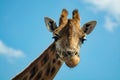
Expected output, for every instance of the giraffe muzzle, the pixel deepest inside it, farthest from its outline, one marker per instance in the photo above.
(70, 57)
(73, 61)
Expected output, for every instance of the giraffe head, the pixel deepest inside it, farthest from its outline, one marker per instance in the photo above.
(69, 36)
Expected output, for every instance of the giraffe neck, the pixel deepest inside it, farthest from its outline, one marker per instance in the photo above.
(44, 67)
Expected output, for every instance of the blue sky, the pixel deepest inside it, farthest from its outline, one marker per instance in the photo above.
(24, 36)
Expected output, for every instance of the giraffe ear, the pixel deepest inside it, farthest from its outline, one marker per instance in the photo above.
(51, 24)
(89, 26)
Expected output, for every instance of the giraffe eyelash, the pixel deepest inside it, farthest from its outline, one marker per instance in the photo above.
(56, 37)
(83, 39)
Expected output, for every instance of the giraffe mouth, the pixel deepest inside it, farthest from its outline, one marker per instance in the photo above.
(70, 58)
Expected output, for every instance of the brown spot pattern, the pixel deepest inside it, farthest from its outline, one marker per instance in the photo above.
(53, 70)
(38, 76)
(33, 71)
(45, 59)
(25, 78)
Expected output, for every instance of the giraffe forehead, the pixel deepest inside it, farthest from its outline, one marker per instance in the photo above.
(70, 28)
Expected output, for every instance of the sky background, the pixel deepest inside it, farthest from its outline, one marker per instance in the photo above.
(24, 36)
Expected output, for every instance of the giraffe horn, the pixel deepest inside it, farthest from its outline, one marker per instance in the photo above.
(63, 18)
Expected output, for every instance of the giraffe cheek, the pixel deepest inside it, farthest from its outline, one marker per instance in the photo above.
(73, 61)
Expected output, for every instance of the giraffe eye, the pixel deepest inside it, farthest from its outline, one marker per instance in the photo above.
(82, 40)
(56, 37)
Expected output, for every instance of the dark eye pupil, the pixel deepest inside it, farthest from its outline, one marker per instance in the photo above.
(82, 40)
(55, 38)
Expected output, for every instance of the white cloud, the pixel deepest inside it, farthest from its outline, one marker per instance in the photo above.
(111, 7)
(9, 52)
(109, 24)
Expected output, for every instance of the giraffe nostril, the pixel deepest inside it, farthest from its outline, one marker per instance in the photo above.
(69, 52)
(76, 53)
(65, 55)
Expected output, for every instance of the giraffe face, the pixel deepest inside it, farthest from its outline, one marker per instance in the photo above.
(68, 41)
(69, 36)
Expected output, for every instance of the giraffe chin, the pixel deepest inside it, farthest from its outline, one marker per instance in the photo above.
(73, 61)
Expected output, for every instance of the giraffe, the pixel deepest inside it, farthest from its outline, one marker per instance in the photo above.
(68, 38)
